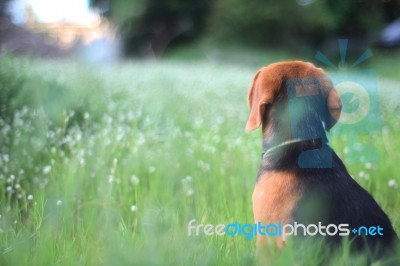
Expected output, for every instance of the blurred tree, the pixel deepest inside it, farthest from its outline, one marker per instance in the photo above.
(356, 18)
(391, 10)
(148, 27)
(271, 23)
(4, 19)
(3, 4)
(296, 23)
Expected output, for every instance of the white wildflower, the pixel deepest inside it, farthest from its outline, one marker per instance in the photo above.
(46, 169)
(385, 131)
(392, 183)
(187, 180)
(209, 148)
(108, 119)
(134, 180)
(152, 169)
(133, 208)
(203, 166)
(30, 197)
(141, 139)
(59, 202)
(78, 136)
(187, 186)
(190, 192)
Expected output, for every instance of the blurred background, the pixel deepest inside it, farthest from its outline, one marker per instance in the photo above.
(104, 30)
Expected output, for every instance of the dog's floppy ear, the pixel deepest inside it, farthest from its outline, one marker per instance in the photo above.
(261, 92)
(333, 102)
(334, 107)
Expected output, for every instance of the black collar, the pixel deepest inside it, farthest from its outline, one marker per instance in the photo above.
(287, 155)
(289, 144)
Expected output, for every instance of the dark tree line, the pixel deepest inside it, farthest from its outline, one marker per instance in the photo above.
(151, 26)
(3, 7)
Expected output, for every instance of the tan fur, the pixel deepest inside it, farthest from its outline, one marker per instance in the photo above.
(274, 197)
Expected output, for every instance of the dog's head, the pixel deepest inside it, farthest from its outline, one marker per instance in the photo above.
(287, 95)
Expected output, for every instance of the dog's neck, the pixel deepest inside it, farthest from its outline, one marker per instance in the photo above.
(284, 137)
(281, 124)
(291, 145)
(297, 154)
(285, 141)
(273, 147)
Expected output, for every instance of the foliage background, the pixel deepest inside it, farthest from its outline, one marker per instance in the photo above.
(151, 26)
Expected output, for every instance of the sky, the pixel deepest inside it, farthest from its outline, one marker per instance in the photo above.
(75, 11)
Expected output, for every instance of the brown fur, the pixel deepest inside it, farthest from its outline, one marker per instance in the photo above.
(274, 198)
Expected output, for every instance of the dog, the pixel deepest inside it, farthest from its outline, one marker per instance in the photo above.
(301, 179)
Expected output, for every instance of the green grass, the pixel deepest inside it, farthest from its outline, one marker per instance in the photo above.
(107, 165)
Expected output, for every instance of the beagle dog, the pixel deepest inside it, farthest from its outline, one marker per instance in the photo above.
(301, 179)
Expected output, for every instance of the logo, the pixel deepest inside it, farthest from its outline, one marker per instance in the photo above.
(249, 231)
(356, 99)
(360, 114)
(359, 95)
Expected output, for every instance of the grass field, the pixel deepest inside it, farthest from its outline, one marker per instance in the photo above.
(107, 165)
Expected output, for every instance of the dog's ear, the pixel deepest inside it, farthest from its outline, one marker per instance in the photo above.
(333, 102)
(261, 92)
(334, 107)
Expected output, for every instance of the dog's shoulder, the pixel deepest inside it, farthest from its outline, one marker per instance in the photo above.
(275, 196)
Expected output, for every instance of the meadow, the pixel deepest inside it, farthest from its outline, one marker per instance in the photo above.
(106, 165)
